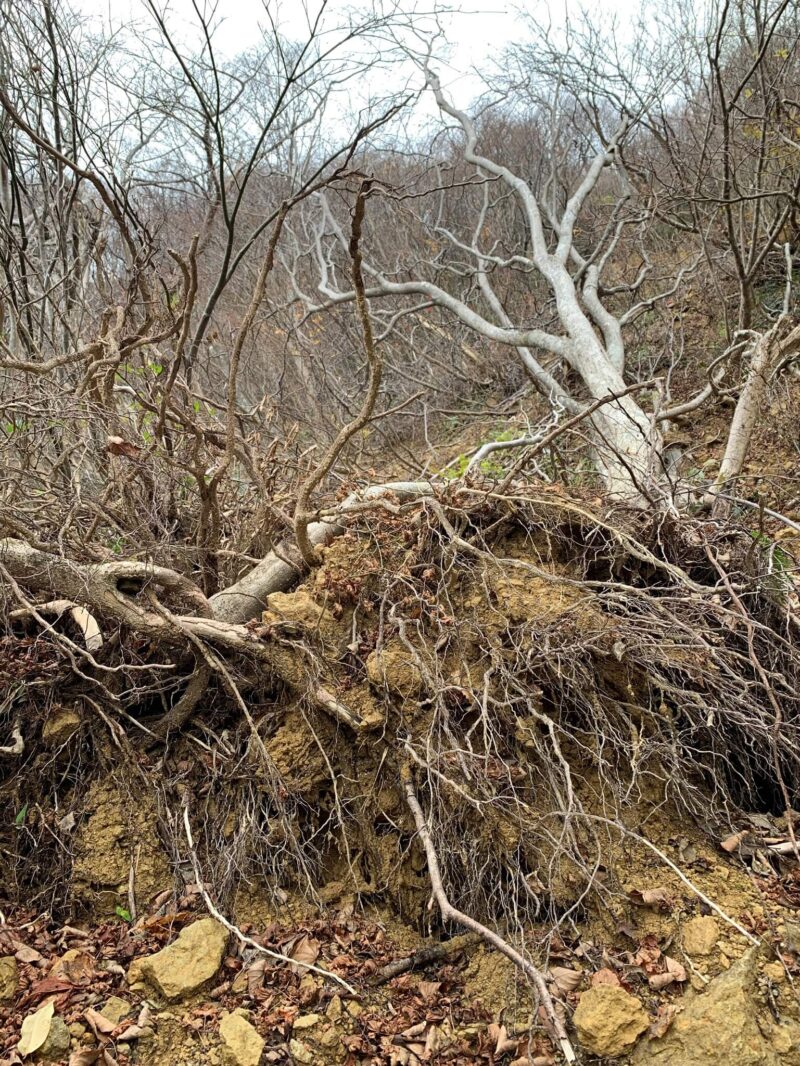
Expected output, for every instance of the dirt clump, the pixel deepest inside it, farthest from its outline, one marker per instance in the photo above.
(393, 668)
(119, 835)
(298, 752)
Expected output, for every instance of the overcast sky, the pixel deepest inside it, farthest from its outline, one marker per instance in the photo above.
(476, 31)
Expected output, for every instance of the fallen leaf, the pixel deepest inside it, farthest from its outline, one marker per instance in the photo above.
(99, 1023)
(36, 1029)
(652, 897)
(605, 977)
(305, 951)
(675, 968)
(77, 968)
(565, 979)
(663, 1020)
(26, 954)
(661, 980)
(731, 843)
(429, 989)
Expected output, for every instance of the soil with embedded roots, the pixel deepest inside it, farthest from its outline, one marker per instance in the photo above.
(599, 715)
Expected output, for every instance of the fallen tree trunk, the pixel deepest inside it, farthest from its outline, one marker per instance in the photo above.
(282, 568)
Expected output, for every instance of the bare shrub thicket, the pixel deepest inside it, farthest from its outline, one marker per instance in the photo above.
(233, 306)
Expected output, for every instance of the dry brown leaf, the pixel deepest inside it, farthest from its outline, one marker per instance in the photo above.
(658, 898)
(36, 1029)
(664, 1017)
(77, 968)
(118, 446)
(414, 1030)
(429, 989)
(306, 950)
(84, 1057)
(605, 977)
(255, 976)
(731, 843)
(99, 1023)
(565, 979)
(675, 968)
(26, 954)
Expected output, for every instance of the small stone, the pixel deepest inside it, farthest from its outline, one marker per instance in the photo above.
(329, 1036)
(791, 937)
(9, 978)
(60, 726)
(77, 1030)
(334, 1010)
(300, 1053)
(307, 1021)
(185, 966)
(609, 1020)
(700, 935)
(56, 1046)
(123, 1047)
(354, 1009)
(116, 1009)
(309, 990)
(775, 972)
(241, 1044)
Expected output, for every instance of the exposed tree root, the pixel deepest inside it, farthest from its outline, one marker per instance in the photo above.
(452, 914)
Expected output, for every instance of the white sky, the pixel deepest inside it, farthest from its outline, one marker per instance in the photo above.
(476, 31)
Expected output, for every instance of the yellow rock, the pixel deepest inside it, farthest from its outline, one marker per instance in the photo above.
(609, 1020)
(700, 936)
(241, 1043)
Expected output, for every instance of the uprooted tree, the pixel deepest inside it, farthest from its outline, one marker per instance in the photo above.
(175, 413)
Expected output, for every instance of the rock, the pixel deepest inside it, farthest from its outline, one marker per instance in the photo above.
(300, 1053)
(60, 726)
(116, 1009)
(9, 978)
(791, 937)
(307, 1021)
(241, 1044)
(56, 1046)
(718, 1027)
(334, 1010)
(185, 966)
(609, 1020)
(700, 936)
